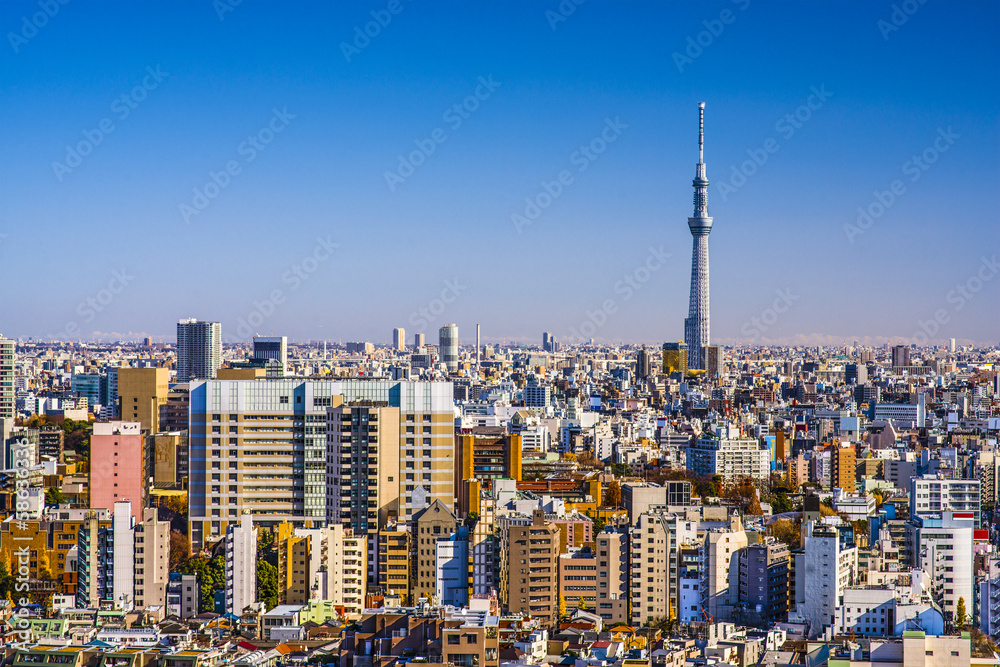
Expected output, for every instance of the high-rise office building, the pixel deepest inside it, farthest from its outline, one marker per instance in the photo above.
(643, 364)
(696, 326)
(141, 392)
(291, 450)
(448, 346)
(199, 349)
(419, 340)
(675, 357)
(399, 339)
(900, 356)
(271, 352)
(713, 360)
(87, 385)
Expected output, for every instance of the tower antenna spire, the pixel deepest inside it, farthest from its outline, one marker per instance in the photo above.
(701, 132)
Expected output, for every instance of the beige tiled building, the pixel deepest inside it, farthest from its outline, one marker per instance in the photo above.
(533, 569)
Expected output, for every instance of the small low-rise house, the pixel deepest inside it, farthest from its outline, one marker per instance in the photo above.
(283, 624)
(71, 656)
(129, 637)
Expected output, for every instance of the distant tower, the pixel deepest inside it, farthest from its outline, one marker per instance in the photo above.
(199, 349)
(478, 347)
(696, 325)
(399, 339)
(448, 346)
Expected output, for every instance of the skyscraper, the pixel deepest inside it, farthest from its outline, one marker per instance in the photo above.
(399, 339)
(199, 349)
(448, 346)
(696, 326)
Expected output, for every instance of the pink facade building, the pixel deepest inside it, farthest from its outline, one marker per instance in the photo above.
(118, 466)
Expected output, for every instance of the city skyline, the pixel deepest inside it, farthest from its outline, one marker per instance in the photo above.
(300, 145)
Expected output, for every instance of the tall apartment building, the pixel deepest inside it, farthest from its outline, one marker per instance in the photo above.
(7, 407)
(598, 576)
(141, 392)
(199, 349)
(845, 467)
(763, 582)
(278, 449)
(123, 563)
(448, 346)
(363, 470)
(399, 339)
(324, 564)
(537, 395)
(932, 495)
(720, 569)
(533, 569)
(120, 468)
(725, 453)
(485, 454)
(826, 569)
(430, 525)
(451, 585)
(241, 565)
(653, 563)
(394, 562)
(942, 547)
(900, 356)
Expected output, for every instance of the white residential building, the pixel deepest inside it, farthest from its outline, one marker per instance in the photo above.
(725, 453)
(943, 547)
(823, 571)
(931, 495)
(241, 565)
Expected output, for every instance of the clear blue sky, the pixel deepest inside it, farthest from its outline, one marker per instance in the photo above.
(66, 229)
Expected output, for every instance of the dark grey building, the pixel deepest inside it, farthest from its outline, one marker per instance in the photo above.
(763, 582)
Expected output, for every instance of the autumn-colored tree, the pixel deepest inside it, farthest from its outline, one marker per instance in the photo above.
(582, 604)
(744, 492)
(587, 459)
(960, 615)
(569, 456)
(562, 606)
(788, 532)
(180, 549)
(613, 496)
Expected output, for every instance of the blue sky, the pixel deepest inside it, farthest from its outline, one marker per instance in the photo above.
(309, 240)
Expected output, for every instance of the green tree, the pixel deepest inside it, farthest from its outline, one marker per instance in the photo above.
(960, 614)
(6, 581)
(267, 550)
(55, 496)
(781, 503)
(267, 584)
(211, 575)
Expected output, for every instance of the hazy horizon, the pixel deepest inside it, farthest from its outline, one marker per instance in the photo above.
(272, 167)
